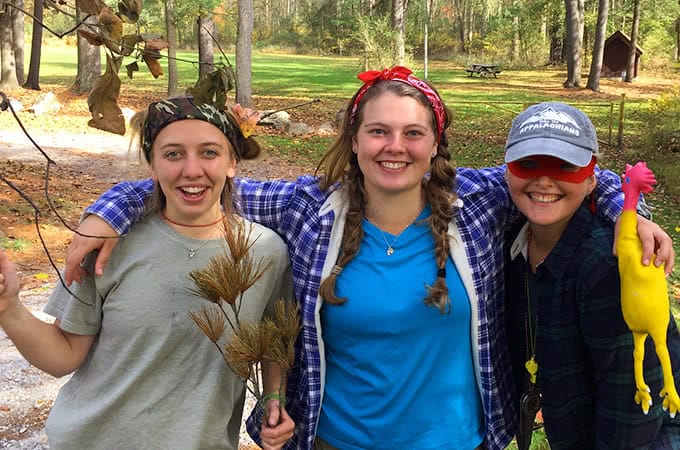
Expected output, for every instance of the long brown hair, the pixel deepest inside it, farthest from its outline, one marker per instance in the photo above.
(340, 164)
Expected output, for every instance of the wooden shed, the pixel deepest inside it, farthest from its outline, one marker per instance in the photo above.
(615, 57)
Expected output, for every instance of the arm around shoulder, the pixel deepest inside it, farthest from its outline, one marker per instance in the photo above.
(608, 194)
(110, 216)
(122, 205)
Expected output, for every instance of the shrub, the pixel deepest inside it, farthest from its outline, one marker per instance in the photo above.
(661, 139)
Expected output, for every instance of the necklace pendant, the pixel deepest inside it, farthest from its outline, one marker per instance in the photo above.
(390, 250)
(532, 367)
(192, 253)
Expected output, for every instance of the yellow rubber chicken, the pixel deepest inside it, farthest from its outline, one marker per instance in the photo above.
(644, 294)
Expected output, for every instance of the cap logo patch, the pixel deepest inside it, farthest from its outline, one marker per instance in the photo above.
(549, 118)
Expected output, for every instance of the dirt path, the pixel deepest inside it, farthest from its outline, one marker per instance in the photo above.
(88, 163)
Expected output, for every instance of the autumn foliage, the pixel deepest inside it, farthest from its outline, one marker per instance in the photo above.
(108, 32)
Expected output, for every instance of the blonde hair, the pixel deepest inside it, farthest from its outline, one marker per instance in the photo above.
(340, 165)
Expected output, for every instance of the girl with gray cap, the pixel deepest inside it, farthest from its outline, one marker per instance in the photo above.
(571, 351)
(145, 376)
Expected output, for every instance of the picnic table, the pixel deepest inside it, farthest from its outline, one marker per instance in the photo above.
(483, 70)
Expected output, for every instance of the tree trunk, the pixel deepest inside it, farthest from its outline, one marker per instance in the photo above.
(171, 30)
(399, 27)
(206, 48)
(574, 40)
(483, 21)
(515, 39)
(426, 44)
(460, 20)
(18, 36)
(556, 36)
(8, 71)
(267, 18)
(181, 39)
(677, 39)
(581, 30)
(33, 80)
(630, 66)
(244, 41)
(598, 47)
(469, 25)
(89, 64)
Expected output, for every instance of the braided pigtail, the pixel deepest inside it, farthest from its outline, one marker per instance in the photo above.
(352, 235)
(440, 196)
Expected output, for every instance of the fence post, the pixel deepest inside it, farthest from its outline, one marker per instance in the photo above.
(611, 120)
(621, 117)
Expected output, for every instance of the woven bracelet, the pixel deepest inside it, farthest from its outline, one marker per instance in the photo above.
(274, 395)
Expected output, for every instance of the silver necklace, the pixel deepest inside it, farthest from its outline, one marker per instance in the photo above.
(191, 251)
(390, 245)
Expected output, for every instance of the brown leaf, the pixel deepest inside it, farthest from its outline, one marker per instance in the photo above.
(155, 44)
(213, 87)
(202, 91)
(128, 43)
(91, 6)
(92, 38)
(111, 29)
(153, 65)
(103, 100)
(152, 54)
(131, 68)
(129, 10)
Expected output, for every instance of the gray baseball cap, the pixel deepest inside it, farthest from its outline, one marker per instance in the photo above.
(552, 129)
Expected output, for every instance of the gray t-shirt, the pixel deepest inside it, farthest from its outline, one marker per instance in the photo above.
(152, 379)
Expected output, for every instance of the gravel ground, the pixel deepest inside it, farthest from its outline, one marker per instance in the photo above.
(26, 393)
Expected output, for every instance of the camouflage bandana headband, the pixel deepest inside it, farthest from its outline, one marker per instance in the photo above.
(162, 113)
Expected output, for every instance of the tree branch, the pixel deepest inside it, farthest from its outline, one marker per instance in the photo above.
(59, 35)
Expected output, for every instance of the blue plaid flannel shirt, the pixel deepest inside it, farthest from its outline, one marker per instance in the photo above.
(293, 210)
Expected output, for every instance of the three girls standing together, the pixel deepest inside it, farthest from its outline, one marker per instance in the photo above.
(398, 261)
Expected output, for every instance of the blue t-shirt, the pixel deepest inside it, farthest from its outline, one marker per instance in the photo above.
(399, 374)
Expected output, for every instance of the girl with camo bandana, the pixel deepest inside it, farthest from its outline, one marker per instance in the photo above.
(144, 375)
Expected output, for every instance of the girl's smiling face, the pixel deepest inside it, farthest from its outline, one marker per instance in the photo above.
(546, 200)
(394, 144)
(191, 160)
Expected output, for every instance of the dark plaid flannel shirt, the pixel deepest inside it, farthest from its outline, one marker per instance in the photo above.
(584, 349)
